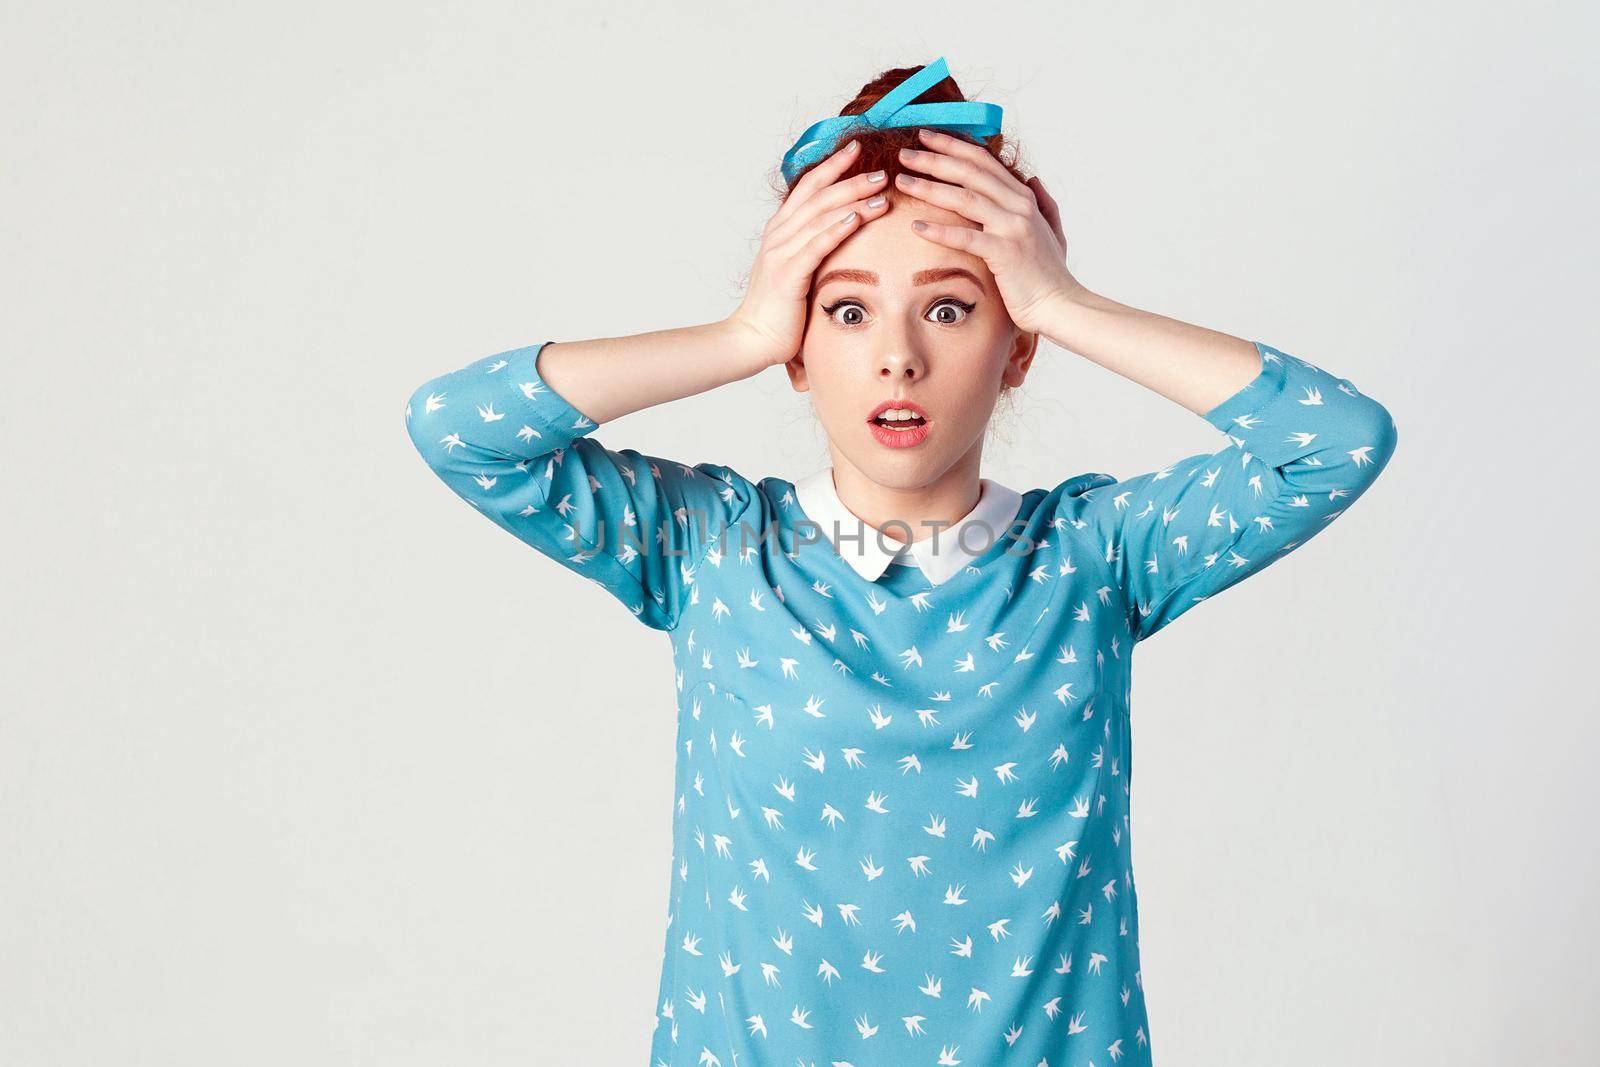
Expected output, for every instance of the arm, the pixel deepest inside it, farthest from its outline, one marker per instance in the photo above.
(1303, 445)
(510, 434)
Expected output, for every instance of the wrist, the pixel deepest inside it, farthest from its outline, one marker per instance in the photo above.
(1064, 316)
(750, 348)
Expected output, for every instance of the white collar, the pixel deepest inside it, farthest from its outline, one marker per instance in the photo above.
(940, 555)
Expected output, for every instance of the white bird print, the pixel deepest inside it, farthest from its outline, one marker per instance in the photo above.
(1168, 540)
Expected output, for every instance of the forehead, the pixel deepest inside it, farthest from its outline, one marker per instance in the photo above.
(888, 247)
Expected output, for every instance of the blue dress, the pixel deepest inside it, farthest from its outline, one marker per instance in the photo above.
(901, 826)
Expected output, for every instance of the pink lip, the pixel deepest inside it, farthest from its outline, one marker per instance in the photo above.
(899, 438)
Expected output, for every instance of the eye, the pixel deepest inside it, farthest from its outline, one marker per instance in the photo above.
(951, 302)
(847, 305)
(854, 314)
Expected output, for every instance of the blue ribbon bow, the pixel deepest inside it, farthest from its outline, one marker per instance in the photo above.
(974, 118)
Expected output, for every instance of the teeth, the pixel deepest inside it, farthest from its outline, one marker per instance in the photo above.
(897, 413)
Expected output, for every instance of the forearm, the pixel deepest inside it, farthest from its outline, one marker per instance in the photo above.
(1189, 365)
(608, 377)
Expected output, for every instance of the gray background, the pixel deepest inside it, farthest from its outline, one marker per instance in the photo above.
(303, 761)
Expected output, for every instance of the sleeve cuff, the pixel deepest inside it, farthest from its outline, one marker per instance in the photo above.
(1257, 394)
(1258, 414)
(547, 412)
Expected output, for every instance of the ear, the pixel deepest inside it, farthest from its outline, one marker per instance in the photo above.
(796, 369)
(1020, 359)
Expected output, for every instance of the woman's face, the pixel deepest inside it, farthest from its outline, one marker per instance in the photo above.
(894, 317)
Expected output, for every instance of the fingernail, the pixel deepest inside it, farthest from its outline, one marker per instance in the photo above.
(878, 201)
(876, 176)
(919, 225)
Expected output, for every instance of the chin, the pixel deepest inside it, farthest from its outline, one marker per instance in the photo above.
(910, 468)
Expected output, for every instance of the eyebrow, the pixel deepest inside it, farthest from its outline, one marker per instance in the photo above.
(922, 277)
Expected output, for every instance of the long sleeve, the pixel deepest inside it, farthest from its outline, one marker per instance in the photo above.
(1303, 446)
(639, 526)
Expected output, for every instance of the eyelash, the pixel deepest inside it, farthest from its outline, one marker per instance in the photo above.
(829, 309)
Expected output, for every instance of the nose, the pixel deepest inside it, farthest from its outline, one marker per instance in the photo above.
(900, 362)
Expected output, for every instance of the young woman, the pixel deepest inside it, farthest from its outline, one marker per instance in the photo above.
(902, 814)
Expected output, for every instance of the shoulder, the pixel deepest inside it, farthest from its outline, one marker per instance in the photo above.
(1075, 495)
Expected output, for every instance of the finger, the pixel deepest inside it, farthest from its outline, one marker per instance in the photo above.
(975, 154)
(965, 238)
(958, 198)
(819, 177)
(826, 203)
(970, 175)
(803, 262)
(1048, 208)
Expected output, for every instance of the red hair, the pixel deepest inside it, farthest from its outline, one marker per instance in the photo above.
(880, 148)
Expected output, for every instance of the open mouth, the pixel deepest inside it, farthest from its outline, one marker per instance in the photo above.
(899, 423)
(901, 419)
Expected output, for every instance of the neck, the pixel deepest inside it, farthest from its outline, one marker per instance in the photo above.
(937, 505)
